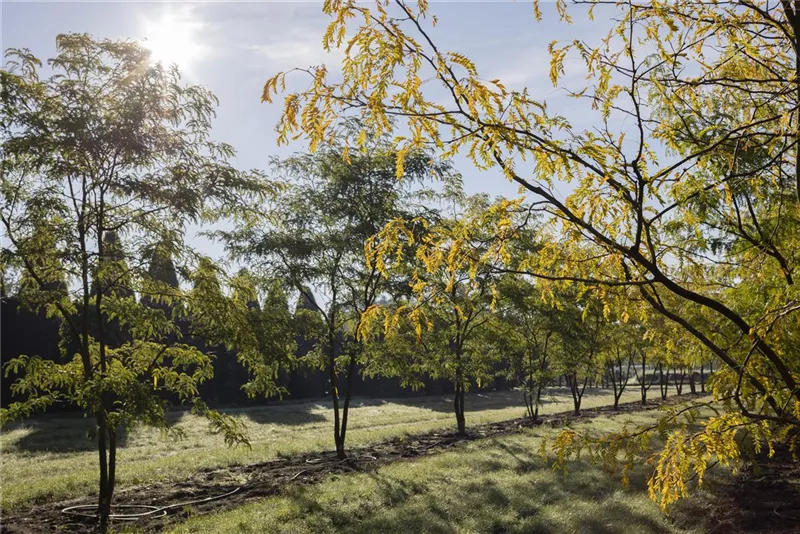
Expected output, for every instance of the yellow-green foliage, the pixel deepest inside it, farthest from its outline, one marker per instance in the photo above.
(682, 196)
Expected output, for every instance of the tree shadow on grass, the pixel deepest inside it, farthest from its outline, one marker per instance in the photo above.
(68, 433)
(289, 413)
(475, 401)
(512, 491)
(486, 506)
(73, 433)
(57, 433)
(478, 401)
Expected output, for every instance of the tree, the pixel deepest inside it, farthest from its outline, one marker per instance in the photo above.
(643, 351)
(618, 358)
(526, 333)
(697, 210)
(450, 308)
(314, 238)
(455, 344)
(582, 328)
(112, 145)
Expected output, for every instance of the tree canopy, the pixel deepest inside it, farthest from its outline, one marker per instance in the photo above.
(694, 212)
(104, 163)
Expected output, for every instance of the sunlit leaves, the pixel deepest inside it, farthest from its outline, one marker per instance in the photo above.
(104, 163)
(683, 190)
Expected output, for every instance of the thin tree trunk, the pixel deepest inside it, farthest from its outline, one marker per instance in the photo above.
(104, 498)
(702, 379)
(337, 433)
(577, 393)
(351, 369)
(679, 383)
(107, 443)
(527, 397)
(613, 379)
(642, 378)
(458, 404)
(663, 383)
(644, 395)
(528, 393)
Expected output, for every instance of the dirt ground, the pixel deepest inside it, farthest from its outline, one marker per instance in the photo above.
(765, 499)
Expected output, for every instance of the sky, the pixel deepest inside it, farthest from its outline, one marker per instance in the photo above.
(234, 47)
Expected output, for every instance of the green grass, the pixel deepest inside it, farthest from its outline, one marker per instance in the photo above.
(51, 458)
(490, 486)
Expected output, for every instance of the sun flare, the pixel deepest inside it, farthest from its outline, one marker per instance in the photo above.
(172, 39)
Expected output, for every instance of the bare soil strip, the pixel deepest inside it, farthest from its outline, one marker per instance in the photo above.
(259, 480)
(764, 499)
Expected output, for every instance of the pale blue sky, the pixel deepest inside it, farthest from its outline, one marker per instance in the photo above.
(243, 44)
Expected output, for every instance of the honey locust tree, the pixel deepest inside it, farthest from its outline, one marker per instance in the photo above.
(696, 208)
(583, 329)
(314, 238)
(644, 350)
(451, 308)
(526, 333)
(112, 145)
(619, 357)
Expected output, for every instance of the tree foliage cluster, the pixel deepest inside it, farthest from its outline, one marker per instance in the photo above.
(683, 199)
(111, 148)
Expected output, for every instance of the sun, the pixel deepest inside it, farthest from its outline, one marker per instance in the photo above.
(172, 39)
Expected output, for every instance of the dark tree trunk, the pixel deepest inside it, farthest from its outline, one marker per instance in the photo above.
(106, 434)
(619, 375)
(679, 383)
(351, 370)
(576, 391)
(458, 405)
(611, 377)
(702, 379)
(527, 392)
(104, 500)
(530, 402)
(338, 437)
(107, 452)
(692, 385)
(526, 397)
(340, 452)
(642, 379)
(663, 382)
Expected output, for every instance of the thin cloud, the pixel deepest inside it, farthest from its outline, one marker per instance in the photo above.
(301, 49)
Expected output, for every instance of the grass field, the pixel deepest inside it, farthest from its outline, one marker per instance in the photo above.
(51, 458)
(497, 485)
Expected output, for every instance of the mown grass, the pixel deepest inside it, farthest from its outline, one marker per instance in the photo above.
(497, 485)
(52, 458)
